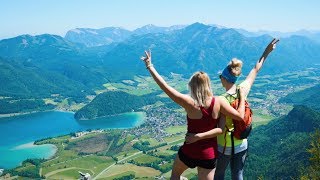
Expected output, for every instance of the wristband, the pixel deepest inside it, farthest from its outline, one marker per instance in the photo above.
(150, 65)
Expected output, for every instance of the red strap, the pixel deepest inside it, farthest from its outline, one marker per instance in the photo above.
(208, 112)
(211, 105)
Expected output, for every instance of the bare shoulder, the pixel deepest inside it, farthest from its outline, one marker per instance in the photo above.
(187, 98)
(222, 101)
(216, 107)
(218, 100)
(221, 98)
(188, 102)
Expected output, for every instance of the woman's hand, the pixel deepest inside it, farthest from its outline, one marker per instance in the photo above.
(191, 138)
(147, 58)
(271, 46)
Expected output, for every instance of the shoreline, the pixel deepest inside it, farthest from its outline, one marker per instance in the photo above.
(30, 146)
(107, 116)
(31, 112)
(59, 110)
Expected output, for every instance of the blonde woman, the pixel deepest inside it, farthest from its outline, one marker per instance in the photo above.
(236, 156)
(203, 112)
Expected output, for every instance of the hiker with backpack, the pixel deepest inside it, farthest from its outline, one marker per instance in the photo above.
(203, 112)
(232, 143)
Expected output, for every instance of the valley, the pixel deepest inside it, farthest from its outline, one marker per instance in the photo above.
(148, 150)
(100, 80)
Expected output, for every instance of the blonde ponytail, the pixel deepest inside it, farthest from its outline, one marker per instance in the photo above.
(200, 87)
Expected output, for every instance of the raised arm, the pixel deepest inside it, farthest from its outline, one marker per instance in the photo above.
(253, 73)
(181, 99)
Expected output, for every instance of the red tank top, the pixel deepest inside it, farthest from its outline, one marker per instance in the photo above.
(207, 148)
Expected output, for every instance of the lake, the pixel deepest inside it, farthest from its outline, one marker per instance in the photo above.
(18, 133)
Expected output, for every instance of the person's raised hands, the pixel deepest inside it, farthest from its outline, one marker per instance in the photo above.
(271, 46)
(147, 58)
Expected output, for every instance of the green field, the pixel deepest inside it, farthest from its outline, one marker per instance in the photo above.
(260, 119)
(176, 129)
(128, 138)
(93, 164)
(139, 171)
(144, 159)
(68, 173)
(189, 173)
(165, 153)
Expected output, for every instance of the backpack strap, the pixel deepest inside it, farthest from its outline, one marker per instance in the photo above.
(232, 142)
(225, 141)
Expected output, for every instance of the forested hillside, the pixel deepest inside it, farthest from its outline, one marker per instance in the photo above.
(25, 79)
(308, 97)
(279, 149)
(114, 102)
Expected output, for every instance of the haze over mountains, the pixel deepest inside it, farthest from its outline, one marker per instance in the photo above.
(105, 36)
(87, 58)
(315, 35)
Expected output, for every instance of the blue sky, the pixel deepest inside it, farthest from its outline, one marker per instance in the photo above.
(58, 16)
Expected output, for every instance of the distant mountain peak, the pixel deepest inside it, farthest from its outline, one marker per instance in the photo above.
(77, 30)
(27, 39)
(97, 37)
(149, 26)
(197, 24)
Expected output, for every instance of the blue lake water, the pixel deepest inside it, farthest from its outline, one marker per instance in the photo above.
(18, 133)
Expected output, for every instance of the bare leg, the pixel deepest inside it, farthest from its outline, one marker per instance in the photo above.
(178, 168)
(207, 174)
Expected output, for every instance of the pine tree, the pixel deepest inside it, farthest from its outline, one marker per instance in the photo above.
(313, 171)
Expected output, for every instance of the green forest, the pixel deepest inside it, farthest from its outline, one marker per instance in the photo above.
(9, 105)
(279, 149)
(114, 102)
(308, 97)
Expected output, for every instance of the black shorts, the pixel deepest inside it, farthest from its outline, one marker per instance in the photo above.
(192, 163)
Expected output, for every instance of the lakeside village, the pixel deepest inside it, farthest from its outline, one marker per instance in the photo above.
(155, 123)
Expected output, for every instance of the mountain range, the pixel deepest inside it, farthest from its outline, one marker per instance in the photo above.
(73, 65)
(315, 35)
(105, 36)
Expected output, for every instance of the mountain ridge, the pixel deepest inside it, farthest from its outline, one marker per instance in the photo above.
(184, 51)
